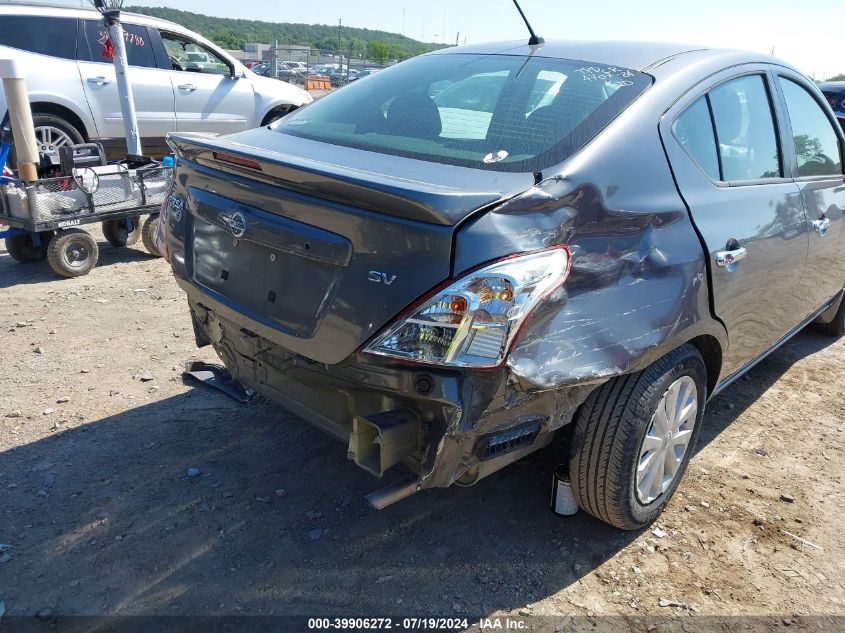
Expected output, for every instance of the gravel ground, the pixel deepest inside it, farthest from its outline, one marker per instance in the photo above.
(102, 517)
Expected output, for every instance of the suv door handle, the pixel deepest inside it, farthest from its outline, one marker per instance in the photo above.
(726, 258)
(821, 226)
(188, 87)
(99, 81)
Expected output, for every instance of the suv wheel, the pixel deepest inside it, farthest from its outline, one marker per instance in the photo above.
(277, 114)
(634, 437)
(52, 132)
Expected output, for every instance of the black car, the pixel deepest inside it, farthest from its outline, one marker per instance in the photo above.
(834, 91)
(481, 248)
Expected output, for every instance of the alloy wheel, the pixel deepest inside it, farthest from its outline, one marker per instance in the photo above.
(666, 441)
(50, 139)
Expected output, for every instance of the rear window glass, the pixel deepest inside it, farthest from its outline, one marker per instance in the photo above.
(39, 34)
(501, 112)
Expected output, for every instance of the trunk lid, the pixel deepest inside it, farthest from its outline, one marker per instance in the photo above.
(317, 246)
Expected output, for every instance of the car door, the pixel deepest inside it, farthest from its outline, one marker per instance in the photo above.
(722, 143)
(208, 97)
(817, 144)
(151, 87)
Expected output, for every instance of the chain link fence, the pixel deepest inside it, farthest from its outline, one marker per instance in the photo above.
(318, 70)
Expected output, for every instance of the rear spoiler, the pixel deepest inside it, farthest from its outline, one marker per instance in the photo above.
(370, 189)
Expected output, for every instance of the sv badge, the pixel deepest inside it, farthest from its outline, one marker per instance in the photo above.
(378, 277)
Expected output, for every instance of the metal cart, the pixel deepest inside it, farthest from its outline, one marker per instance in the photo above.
(44, 216)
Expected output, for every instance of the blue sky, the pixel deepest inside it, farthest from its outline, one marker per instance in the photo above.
(808, 34)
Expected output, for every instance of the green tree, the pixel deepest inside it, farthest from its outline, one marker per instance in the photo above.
(231, 33)
(839, 77)
(377, 49)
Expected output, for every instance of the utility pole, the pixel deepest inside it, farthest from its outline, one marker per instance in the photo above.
(110, 10)
(403, 20)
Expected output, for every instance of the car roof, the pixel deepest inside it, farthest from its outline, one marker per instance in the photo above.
(85, 13)
(635, 55)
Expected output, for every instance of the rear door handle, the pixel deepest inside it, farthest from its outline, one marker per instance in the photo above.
(726, 258)
(188, 87)
(821, 226)
(99, 81)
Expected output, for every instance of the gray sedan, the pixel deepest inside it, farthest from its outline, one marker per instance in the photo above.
(485, 248)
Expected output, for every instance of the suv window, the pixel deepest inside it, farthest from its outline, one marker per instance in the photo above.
(745, 130)
(816, 143)
(836, 99)
(187, 55)
(694, 131)
(139, 49)
(40, 34)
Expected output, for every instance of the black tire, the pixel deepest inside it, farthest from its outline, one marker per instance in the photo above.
(72, 253)
(116, 234)
(609, 431)
(22, 249)
(275, 115)
(836, 327)
(148, 234)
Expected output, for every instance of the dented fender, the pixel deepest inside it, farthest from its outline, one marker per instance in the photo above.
(637, 287)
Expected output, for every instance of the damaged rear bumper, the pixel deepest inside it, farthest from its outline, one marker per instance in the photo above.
(446, 425)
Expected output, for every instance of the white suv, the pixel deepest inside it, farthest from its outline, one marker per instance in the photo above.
(181, 81)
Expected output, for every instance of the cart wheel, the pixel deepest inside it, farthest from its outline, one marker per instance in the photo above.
(116, 233)
(148, 234)
(21, 248)
(72, 253)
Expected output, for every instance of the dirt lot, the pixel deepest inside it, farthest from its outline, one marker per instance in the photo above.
(102, 517)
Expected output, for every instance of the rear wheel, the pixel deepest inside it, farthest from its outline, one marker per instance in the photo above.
(53, 132)
(22, 248)
(72, 253)
(634, 437)
(117, 233)
(836, 327)
(148, 232)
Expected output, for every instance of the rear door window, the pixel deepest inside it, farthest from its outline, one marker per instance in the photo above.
(39, 34)
(816, 142)
(96, 45)
(745, 130)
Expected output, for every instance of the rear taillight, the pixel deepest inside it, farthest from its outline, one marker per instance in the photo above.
(474, 321)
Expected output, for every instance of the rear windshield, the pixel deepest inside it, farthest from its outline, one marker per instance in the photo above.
(501, 112)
